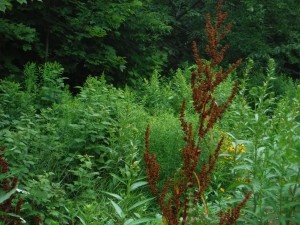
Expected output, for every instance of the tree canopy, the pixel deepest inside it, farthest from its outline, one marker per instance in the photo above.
(129, 39)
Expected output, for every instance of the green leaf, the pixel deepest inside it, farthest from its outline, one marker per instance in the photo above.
(13, 215)
(122, 68)
(256, 117)
(137, 185)
(137, 3)
(106, 123)
(128, 221)
(140, 203)
(5, 4)
(118, 209)
(22, 1)
(81, 220)
(7, 195)
(97, 31)
(291, 204)
(113, 195)
(243, 167)
(142, 220)
(118, 178)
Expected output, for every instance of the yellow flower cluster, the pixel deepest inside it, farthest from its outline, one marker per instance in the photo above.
(234, 151)
(230, 149)
(243, 180)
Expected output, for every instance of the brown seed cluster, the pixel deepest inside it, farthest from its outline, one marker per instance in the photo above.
(215, 35)
(152, 167)
(231, 216)
(204, 81)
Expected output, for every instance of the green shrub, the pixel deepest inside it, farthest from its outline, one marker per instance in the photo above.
(156, 95)
(13, 103)
(270, 131)
(46, 198)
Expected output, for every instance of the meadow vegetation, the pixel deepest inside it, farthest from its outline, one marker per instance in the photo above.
(79, 159)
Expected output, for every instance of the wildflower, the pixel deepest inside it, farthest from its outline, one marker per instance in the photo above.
(222, 189)
(231, 149)
(229, 197)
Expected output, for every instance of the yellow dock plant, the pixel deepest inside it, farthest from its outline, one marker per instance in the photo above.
(180, 194)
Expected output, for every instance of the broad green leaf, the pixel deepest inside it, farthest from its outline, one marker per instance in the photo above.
(140, 203)
(243, 167)
(7, 195)
(118, 178)
(256, 117)
(140, 178)
(128, 221)
(142, 220)
(5, 4)
(67, 210)
(231, 135)
(81, 220)
(113, 195)
(118, 209)
(137, 185)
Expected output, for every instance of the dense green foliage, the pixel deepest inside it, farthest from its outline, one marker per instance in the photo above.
(129, 39)
(79, 157)
(87, 37)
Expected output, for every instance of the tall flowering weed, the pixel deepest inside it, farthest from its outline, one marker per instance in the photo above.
(186, 189)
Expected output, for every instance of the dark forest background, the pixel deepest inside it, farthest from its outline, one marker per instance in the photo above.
(128, 40)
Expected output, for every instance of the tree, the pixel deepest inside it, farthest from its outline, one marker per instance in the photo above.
(267, 29)
(128, 39)
(262, 29)
(121, 39)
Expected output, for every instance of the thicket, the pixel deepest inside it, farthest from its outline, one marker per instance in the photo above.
(79, 158)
